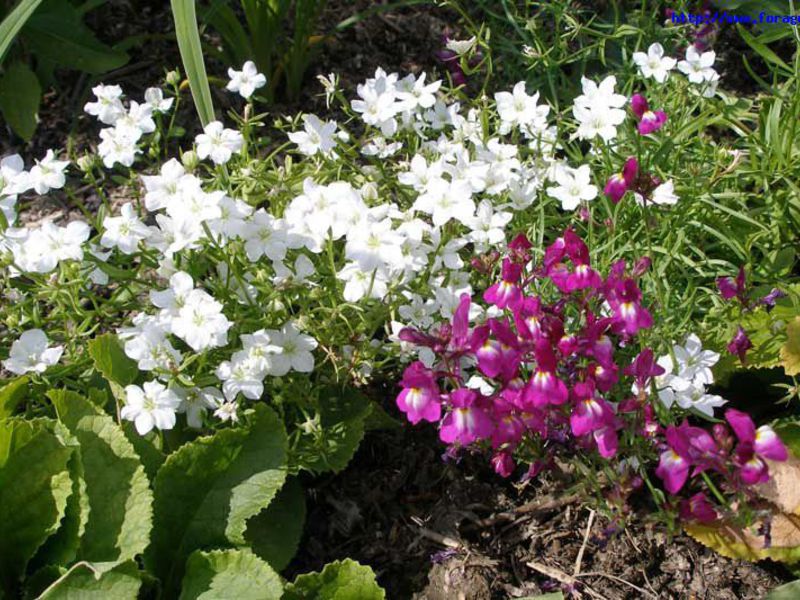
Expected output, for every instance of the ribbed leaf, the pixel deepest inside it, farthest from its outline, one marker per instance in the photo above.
(11, 394)
(11, 25)
(120, 498)
(236, 574)
(183, 12)
(207, 489)
(340, 580)
(35, 485)
(275, 532)
(84, 582)
(110, 359)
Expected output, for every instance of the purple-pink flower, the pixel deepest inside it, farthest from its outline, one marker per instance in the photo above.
(649, 121)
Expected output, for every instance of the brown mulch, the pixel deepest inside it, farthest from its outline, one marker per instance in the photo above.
(433, 531)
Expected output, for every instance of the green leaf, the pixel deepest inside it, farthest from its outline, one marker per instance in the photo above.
(84, 582)
(207, 489)
(120, 498)
(151, 456)
(11, 394)
(274, 533)
(11, 25)
(56, 33)
(788, 591)
(110, 359)
(790, 351)
(236, 574)
(61, 548)
(20, 95)
(35, 485)
(183, 12)
(764, 51)
(340, 580)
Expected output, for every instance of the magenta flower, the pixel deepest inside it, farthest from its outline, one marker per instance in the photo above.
(419, 399)
(755, 445)
(503, 463)
(644, 368)
(619, 183)
(649, 121)
(740, 344)
(528, 317)
(733, 288)
(770, 299)
(698, 508)
(544, 387)
(506, 293)
(629, 315)
(673, 465)
(509, 429)
(466, 422)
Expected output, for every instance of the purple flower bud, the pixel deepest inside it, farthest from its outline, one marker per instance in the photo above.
(740, 344)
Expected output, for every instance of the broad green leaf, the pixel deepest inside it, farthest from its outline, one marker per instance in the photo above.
(275, 532)
(789, 432)
(11, 25)
(790, 351)
(340, 580)
(151, 455)
(236, 574)
(207, 489)
(84, 582)
(788, 591)
(110, 359)
(56, 33)
(11, 394)
(120, 498)
(61, 548)
(20, 95)
(35, 485)
(183, 12)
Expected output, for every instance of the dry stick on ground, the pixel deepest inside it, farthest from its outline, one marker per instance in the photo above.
(618, 580)
(561, 576)
(537, 506)
(579, 559)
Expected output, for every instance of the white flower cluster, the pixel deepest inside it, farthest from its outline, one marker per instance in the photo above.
(687, 376)
(118, 143)
(698, 67)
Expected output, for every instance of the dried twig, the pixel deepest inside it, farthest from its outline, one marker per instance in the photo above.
(579, 559)
(618, 580)
(534, 507)
(439, 538)
(561, 576)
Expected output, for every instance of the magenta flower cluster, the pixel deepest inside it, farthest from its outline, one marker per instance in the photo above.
(555, 350)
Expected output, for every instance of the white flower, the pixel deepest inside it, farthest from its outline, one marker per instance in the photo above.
(174, 297)
(153, 406)
(374, 245)
(445, 200)
(378, 146)
(695, 397)
(518, 109)
(244, 374)
(295, 350)
(154, 98)
(664, 194)
(488, 226)
(698, 67)
(359, 283)
(317, 137)
(40, 250)
(125, 231)
(574, 186)
(147, 344)
(596, 121)
(329, 84)
(226, 411)
(654, 64)
(200, 322)
(13, 181)
(48, 173)
(600, 95)
(265, 235)
(118, 146)
(420, 173)
(246, 81)
(218, 143)
(413, 92)
(461, 47)
(694, 363)
(31, 353)
(108, 107)
(168, 185)
(195, 401)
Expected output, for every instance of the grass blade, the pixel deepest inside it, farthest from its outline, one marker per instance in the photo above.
(14, 22)
(183, 12)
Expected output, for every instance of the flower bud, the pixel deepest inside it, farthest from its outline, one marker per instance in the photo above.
(86, 162)
(174, 77)
(190, 160)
